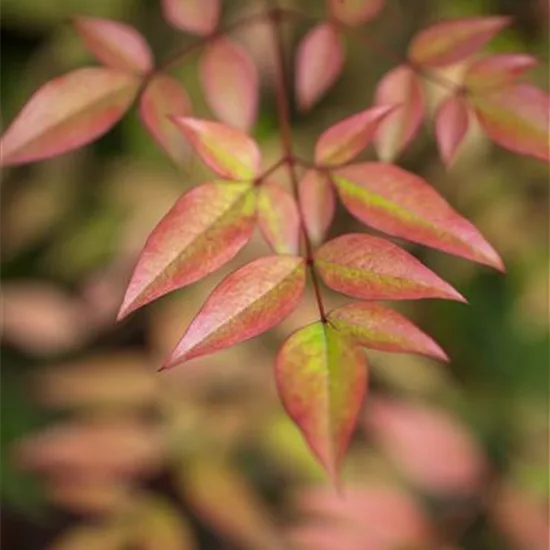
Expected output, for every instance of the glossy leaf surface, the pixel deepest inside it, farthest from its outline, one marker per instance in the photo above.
(248, 302)
(66, 113)
(204, 230)
(371, 268)
(451, 126)
(115, 44)
(196, 16)
(227, 151)
(402, 204)
(230, 82)
(355, 12)
(321, 379)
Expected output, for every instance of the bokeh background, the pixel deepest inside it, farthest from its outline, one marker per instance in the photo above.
(99, 452)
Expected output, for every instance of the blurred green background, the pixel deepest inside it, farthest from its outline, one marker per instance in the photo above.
(100, 452)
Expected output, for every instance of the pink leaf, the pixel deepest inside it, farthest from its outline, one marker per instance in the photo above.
(402, 204)
(517, 118)
(204, 230)
(321, 379)
(497, 71)
(451, 41)
(165, 96)
(319, 62)
(378, 327)
(317, 204)
(371, 268)
(227, 151)
(230, 82)
(402, 87)
(451, 126)
(197, 16)
(355, 12)
(115, 44)
(279, 219)
(344, 140)
(248, 302)
(67, 113)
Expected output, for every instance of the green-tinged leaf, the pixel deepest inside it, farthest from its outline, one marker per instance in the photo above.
(204, 230)
(197, 16)
(355, 12)
(92, 538)
(321, 378)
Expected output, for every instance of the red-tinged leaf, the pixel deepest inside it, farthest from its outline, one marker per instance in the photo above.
(402, 87)
(402, 204)
(344, 140)
(204, 230)
(319, 62)
(115, 44)
(451, 126)
(321, 379)
(497, 71)
(165, 96)
(248, 302)
(197, 16)
(230, 82)
(355, 12)
(66, 113)
(451, 41)
(378, 327)
(227, 151)
(317, 204)
(517, 118)
(371, 268)
(279, 219)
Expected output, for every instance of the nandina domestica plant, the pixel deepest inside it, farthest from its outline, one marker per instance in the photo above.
(321, 369)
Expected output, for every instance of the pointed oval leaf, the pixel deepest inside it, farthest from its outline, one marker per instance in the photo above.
(66, 113)
(248, 302)
(517, 118)
(451, 126)
(115, 44)
(229, 78)
(165, 96)
(317, 204)
(451, 41)
(344, 140)
(204, 230)
(497, 71)
(371, 268)
(402, 204)
(279, 219)
(355, 12)
(402, 87)
(321, 378)
(319, 62)
(378, 327)
(227, 151)
(196, 16)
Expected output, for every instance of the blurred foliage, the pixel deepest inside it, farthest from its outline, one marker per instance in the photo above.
(203, 457)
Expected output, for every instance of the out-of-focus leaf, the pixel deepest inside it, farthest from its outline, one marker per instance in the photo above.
(204, 230)
(246, 303)
(317, 204)
(230, 82)
(355, 12)
(375, 269)
(319, 62)
(402, 204)
(376, 326)
(165, 96)
(66, 113)
(279, 219)
(451, 126)
(197, 16)
(321, 379)
(115, 44)
(516, 118)
(401, 87)
(88, 537)
(226, 150)
(451, 41)
(344, 140)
